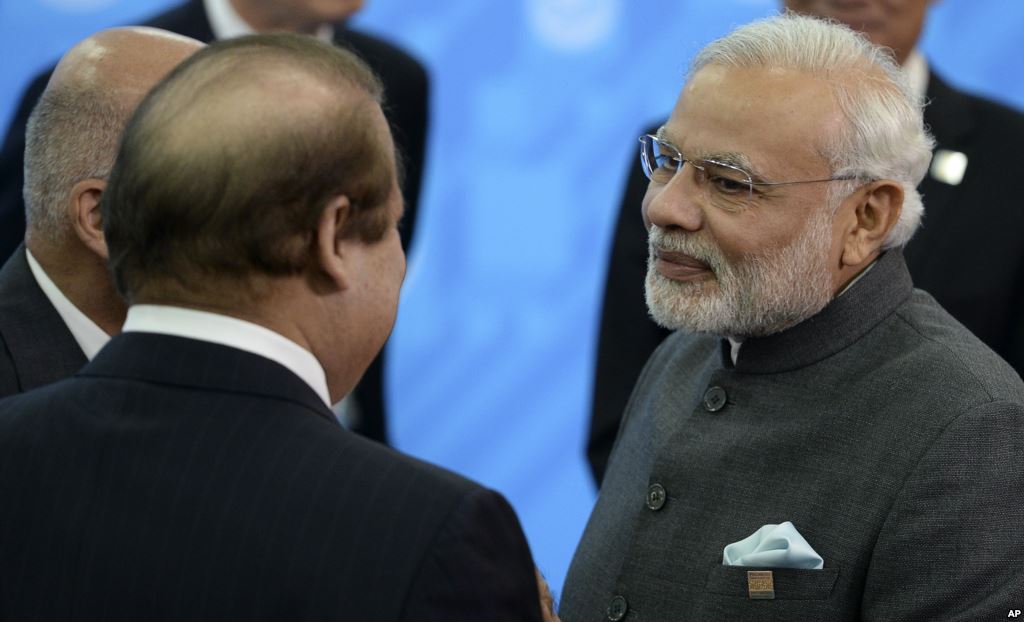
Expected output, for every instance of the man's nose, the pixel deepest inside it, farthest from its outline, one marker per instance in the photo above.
(675, 205)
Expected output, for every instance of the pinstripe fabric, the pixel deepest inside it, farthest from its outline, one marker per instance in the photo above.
(173, 479)
(36, 347)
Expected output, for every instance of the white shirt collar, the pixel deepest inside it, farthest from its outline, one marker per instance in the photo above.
(90, 337)
(231, 332)
(916, 70)
(226, 23)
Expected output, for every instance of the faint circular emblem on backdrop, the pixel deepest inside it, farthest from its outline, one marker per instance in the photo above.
(573, 25)
(78, 6)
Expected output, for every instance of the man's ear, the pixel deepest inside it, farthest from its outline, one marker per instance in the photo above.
(331, 259)
(875, 211)
(84, 210)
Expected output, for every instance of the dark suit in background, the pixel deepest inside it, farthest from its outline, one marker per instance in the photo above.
(406, 92)
(37, 347)
(968, 254)
(175, 479)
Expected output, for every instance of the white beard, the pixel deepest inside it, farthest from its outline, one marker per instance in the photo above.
(756, 296)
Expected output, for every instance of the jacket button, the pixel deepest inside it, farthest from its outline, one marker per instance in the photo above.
(656, 497)
(714, 399)
(617, 609)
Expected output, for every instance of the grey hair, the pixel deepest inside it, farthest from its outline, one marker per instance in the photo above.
(72, 134)
(885, 136)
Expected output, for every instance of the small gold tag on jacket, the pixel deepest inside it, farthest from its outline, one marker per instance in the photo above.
(760, 584)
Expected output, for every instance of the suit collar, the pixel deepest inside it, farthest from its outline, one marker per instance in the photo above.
(179, 361)
(226, 23)
(843, 322)
(188, 19)
(88, 335)
(40, 345)
(947, 116)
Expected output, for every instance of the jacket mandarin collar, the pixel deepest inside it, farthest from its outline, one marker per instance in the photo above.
(843, 322)
(172, 360)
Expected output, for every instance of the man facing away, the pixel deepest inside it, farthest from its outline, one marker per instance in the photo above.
(405, 81)
(58, 306)
(818, 440)
(194, 470)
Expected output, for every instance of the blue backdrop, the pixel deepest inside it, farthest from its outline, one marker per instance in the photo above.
(535, 108)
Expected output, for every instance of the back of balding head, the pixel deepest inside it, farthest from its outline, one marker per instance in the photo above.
(226, 165)
(127, 62)
(74, 130)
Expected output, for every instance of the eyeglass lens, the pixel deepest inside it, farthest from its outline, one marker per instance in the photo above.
(725, 186)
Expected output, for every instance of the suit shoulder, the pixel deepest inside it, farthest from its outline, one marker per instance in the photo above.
(397, 68)
(952, 357)
(972, 121)
(399, 467)
(188, 19)
(378, 48)
(993, 113)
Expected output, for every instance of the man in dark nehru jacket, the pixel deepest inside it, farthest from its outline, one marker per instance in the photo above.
(194, 470)
(968, 252)
(405, 82)
(817, 440)
(58, 306)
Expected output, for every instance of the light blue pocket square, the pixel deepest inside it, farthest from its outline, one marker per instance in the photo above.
(773, 546)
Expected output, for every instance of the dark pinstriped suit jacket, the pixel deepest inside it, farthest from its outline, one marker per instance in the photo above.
(173, 479)
(36, 347)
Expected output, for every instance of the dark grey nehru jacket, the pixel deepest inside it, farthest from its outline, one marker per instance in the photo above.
(888, 434)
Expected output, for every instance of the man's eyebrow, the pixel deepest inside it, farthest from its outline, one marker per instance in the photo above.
(736, 159)
(732, 158)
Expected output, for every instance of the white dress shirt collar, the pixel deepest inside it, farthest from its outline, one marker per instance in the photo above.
(231, 332)
(226, 23)
(916, 70)
(87, 334)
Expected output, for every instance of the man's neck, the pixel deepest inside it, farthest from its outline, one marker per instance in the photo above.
(263, 20)
(83, 279)
(288, 309)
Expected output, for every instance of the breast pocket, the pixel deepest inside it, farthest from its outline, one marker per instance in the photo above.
(787, 583)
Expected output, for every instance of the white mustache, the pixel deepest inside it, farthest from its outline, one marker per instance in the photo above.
(690, 244)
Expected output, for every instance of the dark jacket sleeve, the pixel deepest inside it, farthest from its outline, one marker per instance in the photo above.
(627, 335)
(478, 567)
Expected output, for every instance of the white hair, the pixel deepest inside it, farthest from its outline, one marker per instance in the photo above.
(754, 296)
(885, 136)
(72, 134)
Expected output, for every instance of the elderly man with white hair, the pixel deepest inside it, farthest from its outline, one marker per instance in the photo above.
(817, 440)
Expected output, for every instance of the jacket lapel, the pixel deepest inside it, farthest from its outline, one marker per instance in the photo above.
(40, 345)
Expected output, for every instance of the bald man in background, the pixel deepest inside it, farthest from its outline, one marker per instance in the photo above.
(406, 85)
(58, 306)
(967, 253)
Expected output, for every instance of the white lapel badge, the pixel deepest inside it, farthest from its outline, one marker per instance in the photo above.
(949, 166)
